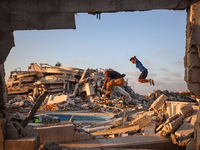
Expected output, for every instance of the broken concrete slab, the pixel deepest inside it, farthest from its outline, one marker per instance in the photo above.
(28, 143)
(185, 130)
(133, 142)
(173, 107)
(94, 129)
(87, 87)
(117, 130)
(58, 133)
(59, 99)
(159, 102)
(171, 126)
(11, 131)
(193, 119)
(186, 109)
(150, 128)
(141, 121)
(79, 136)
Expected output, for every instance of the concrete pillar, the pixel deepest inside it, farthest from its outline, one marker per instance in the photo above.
(192, 54)
(192, 59)
(6, 43)
(3, 89)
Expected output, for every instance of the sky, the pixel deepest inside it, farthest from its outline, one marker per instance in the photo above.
(157, 38)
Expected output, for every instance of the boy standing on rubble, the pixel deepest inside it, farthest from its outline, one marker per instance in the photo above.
(113, 78)
(143, 75)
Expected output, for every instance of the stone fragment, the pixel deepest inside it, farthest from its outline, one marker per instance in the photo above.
(159, 102)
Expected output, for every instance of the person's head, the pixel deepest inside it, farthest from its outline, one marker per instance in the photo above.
(105, 71)
(132, 60)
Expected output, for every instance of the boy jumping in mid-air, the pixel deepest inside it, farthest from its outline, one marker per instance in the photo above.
(143, 75)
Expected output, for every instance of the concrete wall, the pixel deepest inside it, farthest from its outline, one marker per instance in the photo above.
(59, 14)
(192, 53)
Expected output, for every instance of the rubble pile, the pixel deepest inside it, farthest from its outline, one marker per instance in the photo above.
(68, 89)
(48, 88)
(183, 96)
(157, 121)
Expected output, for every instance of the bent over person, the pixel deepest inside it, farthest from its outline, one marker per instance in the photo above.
(113, 78)
(143, 75)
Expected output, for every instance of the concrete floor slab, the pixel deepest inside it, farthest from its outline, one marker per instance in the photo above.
(137, 142)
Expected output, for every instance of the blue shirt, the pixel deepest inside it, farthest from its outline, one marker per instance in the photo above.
(140, 66)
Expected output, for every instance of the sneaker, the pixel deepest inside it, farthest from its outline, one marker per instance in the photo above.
(152, 82)
(106, 97)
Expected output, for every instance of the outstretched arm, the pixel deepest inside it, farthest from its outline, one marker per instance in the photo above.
(105, 82)
(134, 57)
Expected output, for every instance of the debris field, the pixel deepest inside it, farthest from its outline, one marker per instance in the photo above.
(161, 113)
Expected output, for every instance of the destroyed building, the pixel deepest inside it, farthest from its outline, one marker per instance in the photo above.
(60, 15)
(160, 114)
(65, 84)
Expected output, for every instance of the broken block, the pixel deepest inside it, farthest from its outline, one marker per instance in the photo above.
(193, 119)
(81, 136)
(185, 130)
(141, 121)
(186, 109)
(171, 126)
(159, 102)
(150, 128)
(59, 133)
(25, 143)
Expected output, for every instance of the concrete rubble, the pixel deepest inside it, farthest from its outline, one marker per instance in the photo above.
(157, 116)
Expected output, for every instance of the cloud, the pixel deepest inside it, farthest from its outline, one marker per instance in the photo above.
(175, 74)
(178, 62)
(164, 69)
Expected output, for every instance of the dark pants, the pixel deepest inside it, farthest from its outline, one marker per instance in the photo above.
(143, 75)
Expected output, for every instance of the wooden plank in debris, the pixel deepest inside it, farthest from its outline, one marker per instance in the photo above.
(82, 77)
(185, 130)
(141, 121)
(117, 130)
(159, 102)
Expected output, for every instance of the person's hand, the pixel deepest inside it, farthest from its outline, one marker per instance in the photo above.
(102, 89)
